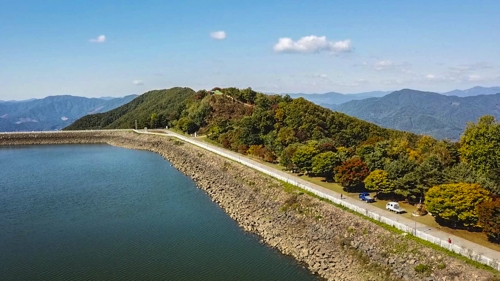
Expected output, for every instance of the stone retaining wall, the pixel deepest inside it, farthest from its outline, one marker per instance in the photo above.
(330, 242)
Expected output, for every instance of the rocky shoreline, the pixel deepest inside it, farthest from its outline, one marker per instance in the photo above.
(330, 242)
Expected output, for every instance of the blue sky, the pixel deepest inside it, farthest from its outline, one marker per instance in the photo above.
(114, 48)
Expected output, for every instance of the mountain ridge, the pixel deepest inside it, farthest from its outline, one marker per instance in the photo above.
(437, 115)
(52, 112)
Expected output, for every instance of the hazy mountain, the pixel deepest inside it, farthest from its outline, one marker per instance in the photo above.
(427, 113)
(337, 98)
(476, 91)
(52, 113)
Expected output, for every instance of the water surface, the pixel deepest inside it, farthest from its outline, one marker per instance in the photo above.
(97, 212)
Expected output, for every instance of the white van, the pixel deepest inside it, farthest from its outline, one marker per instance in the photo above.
(394, 207)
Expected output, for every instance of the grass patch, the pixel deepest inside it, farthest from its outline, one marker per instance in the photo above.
(423, 269)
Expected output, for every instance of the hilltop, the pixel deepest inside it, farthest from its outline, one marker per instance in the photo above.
(166, 104)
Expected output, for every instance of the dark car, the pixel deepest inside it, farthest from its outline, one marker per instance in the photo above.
(365, 196)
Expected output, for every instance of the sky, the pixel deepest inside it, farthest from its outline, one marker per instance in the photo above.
(115, 48)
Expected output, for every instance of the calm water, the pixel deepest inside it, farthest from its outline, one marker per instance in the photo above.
(97, 212)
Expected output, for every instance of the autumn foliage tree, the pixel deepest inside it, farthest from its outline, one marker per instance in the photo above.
(456, 203)
(303, 157)
(378, 181)
(351, 173)
(489, 219)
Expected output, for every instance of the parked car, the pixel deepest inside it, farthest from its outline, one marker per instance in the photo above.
(394, 207)
(365, 196)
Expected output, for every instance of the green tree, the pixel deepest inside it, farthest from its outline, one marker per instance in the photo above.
(154, 120)
(456, 203)
(249, 95)
(351, 173)
(303, 156)
(489, 219)
(480, 143)
(378, 181)
(427, 174)
(286, 156)
(187, 125)
(323, 164)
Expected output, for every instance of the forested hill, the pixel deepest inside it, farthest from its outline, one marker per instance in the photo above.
(440, 116)
(166, 104)
(303, 136)
(241, 117)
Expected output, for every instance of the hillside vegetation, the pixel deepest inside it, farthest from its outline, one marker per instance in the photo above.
(305, 137)
(167, 104)
(440, 116)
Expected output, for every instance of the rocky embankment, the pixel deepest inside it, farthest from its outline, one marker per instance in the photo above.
(329, 241)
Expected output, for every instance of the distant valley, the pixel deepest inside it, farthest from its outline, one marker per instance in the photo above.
(53, 112)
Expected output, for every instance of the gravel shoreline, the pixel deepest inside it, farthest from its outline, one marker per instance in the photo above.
(329, 241)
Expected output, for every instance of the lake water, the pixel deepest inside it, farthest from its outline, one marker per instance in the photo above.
(97, 212)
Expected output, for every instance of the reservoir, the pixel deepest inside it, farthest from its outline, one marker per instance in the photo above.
(98, 212)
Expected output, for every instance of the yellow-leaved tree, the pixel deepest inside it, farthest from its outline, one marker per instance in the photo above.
(456, 203)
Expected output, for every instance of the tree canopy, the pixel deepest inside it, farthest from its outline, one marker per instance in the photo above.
(456, 203)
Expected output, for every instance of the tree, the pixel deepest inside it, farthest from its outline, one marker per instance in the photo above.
(286, 156)
(479, 145)
(154, 120)
(323, 164)
(378, 181)
(249, 95)
(351, 173)
(427, 174)
(303, 156)
(456, 203)
(187, 125)
(489, 219)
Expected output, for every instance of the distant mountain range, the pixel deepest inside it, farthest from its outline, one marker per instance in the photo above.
(334, 98)
(437, 115)
(337, 98)
(476, 91)
(53, 112)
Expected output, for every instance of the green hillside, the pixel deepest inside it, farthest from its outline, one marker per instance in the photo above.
(303, 136)
(167, 104)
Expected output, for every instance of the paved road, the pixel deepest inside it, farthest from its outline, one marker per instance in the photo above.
(490, 253)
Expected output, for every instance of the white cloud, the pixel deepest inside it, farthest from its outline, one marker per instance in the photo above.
(474, 78)
(312, 44)
(98, 39)
(430, 77)
(384, 64)
(138, 82)
(218, 35)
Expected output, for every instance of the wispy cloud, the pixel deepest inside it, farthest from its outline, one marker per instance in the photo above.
(475, 78)
(218, 35)
(384, 64)
(138, 82)
(322, 76)
(98, 39)
(312, 44)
